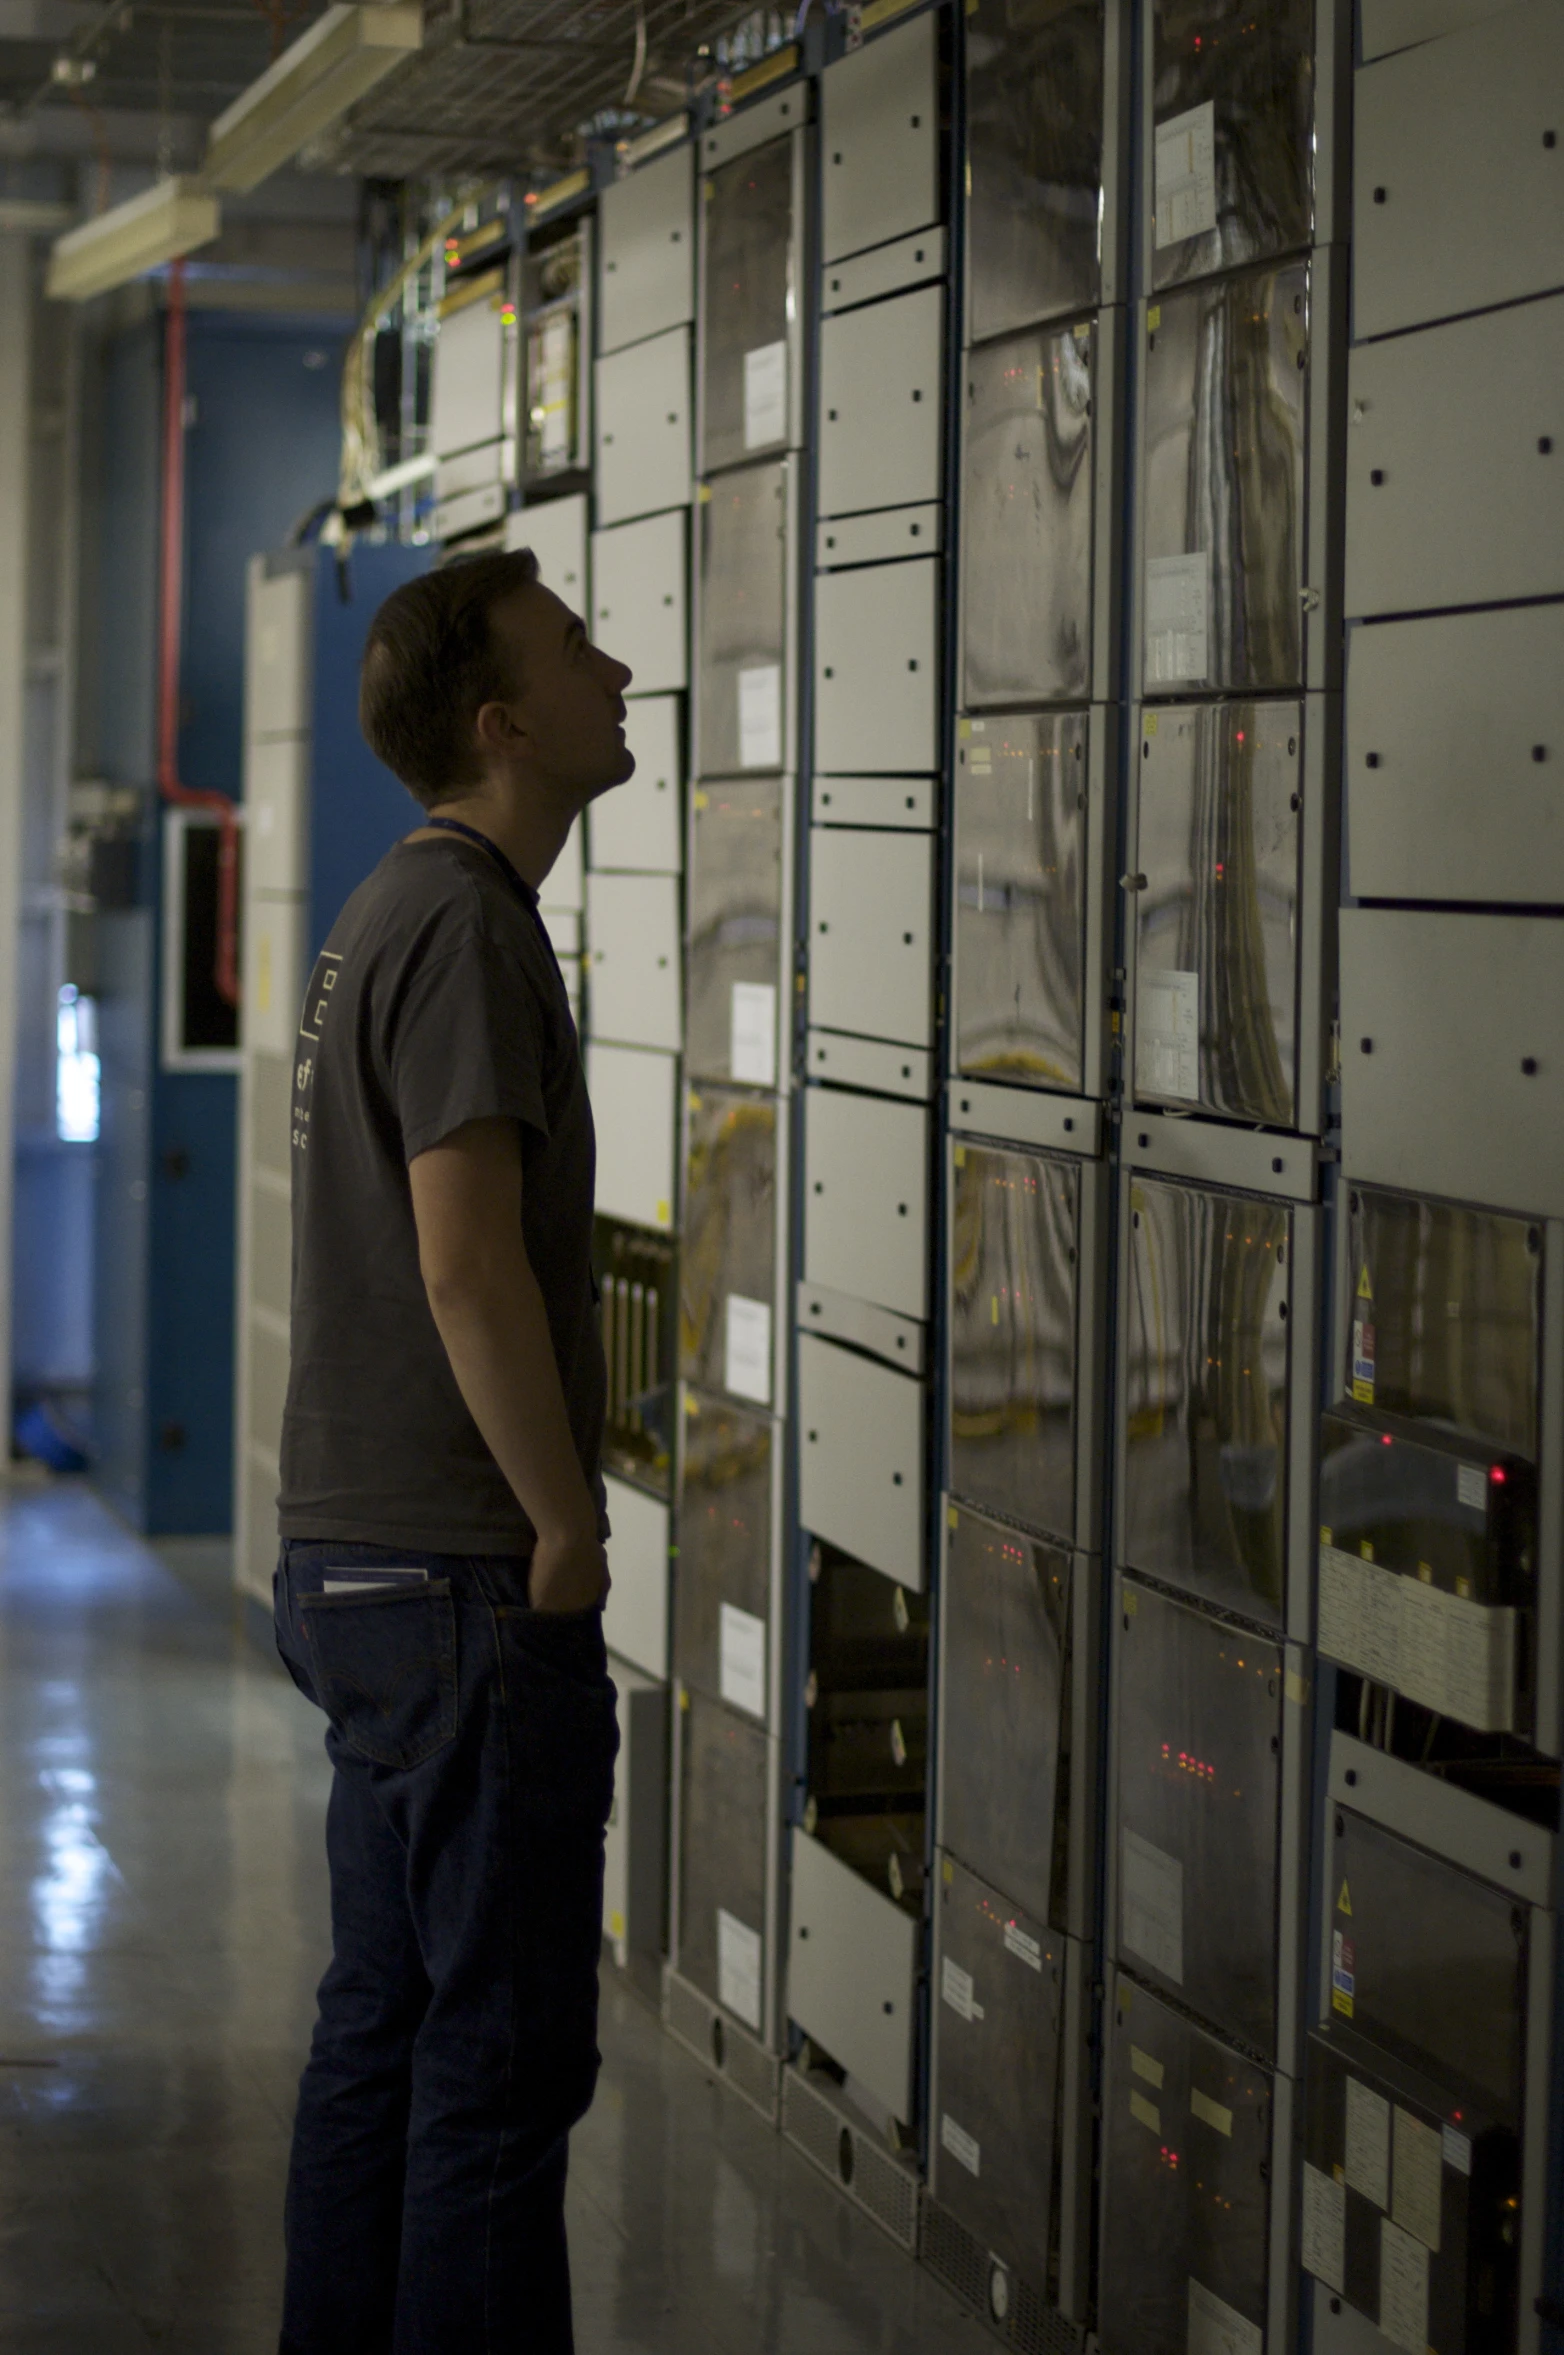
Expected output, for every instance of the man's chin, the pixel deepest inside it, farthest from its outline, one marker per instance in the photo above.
(624, 770)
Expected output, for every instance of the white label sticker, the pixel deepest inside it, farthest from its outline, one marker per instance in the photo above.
(1452, 1655)
(1151, 1907)
(1019, 1942)
(1457, 2150)
(1471, 1487)
(1368, 2143)
(960, 2144)
(956, 1989)
(747, 1356)
(1324, 2227)
(1178, 619)
(741, 1673)
(752, 1033)
(739, 1957)
(1403, 2289)
(1167, 1034)
(1416, 2177)
(1215, 2328)
(1186, 175)
(760, 716)
(765, 395)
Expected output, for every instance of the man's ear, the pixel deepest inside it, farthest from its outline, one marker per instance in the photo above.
(498, 730)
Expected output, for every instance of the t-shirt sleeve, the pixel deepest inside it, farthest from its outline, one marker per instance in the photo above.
(465, 1042)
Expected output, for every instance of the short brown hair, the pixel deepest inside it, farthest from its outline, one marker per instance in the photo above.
(430, 663)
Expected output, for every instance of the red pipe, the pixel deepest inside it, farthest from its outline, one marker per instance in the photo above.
(171, 601)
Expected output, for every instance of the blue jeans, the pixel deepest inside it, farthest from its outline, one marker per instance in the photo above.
(473, 1741)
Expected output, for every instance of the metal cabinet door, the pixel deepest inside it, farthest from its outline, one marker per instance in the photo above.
(1452, 1034)
(276, 814)
(880, 403)
(748, 325)
(879, 139)
(1233, 138)
(1385, 25)
(633, 933)
(1428, 241)
(866, 1199)
(861, 1458)
(1199, 1862)
(1034, 169)
(1454, 722)
(274, 973)
(635, 1111)
(635, 1616)
(728, 1519)
(1207, 1410)
(730, 1324)
(743, 523)
(467, 396)
(726, 1839)
(1026, 590)
(277, 665)
(1455, 463)
(736, 994)
(637, 827)
(852, 1971)
(1222, 539)
(1020, 889)
(647, 227)
(871, 933)
(638, 599)
(556, 532)
(642, 415)
(1216, 918)
(877, 669)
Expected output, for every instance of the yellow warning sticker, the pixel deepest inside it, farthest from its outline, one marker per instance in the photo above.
(961, 1156)
(1365, 1288)
(1153, 318)
(664, 1214)
(964, 731)
(1344, 1901)
(1211, 2113)
(993, 1304)
(616, 1924)
(952, 1517)
(1151, 723)
(1145, 2066)
(949, 1872)
(1363, 1392)
(1297, 1688)
(1147, 2113)
(1341, 2003)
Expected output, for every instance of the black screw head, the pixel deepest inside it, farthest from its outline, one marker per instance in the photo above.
(1529, 1066)
(1544, 445)
(1550, 138)
(1539, 752)
(1366, 1046)
(1371, 760)
(1379, 196)
(1377, 476)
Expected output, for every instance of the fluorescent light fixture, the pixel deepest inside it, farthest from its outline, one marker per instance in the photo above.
(170, 218)
(311, 86)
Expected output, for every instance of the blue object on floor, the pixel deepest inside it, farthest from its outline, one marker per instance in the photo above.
(38, 1435)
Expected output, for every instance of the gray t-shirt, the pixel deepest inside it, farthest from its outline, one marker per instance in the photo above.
(435, 1001)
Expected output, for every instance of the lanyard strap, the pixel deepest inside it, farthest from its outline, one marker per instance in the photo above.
(518, 883)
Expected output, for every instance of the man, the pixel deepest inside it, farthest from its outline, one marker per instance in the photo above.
(442, 1572)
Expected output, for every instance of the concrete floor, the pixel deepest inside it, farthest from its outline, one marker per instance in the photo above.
(161, 1800)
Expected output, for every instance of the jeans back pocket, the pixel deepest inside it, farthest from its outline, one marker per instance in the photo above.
(385, 1668)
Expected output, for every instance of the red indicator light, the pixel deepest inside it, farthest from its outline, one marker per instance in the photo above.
(1497, 1475)
(1385, 1439)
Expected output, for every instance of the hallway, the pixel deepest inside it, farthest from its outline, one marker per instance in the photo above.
(160, 1854)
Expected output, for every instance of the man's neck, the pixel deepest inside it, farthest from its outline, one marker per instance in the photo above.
(529, 834)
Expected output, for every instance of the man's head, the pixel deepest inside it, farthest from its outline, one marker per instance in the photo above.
(476, 673)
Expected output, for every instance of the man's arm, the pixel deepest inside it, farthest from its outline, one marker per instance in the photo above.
(490, 1315)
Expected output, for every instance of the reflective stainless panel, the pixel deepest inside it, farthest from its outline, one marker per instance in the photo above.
(743, 593)
(1027, 519)
(999, 1991)
(1432, 1962)
(1197, 1745)
(734, 912)
(725, 1539)
(1233, 99)
(1186, 2164)
(1012, 1335)
(1216, 984)
(1004, 1703)
(1446, 1315)
(1034, 132)
(724, 1830)
(746, 299)
(1226, 377)
(1020, 824)
(637, 1284)
(552, 281)
(729, 1252)
(1205, 1393)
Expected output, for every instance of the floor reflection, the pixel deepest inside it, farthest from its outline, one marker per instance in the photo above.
(161, 1796)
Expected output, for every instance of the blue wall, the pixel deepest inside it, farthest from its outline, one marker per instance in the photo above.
(261, 448)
